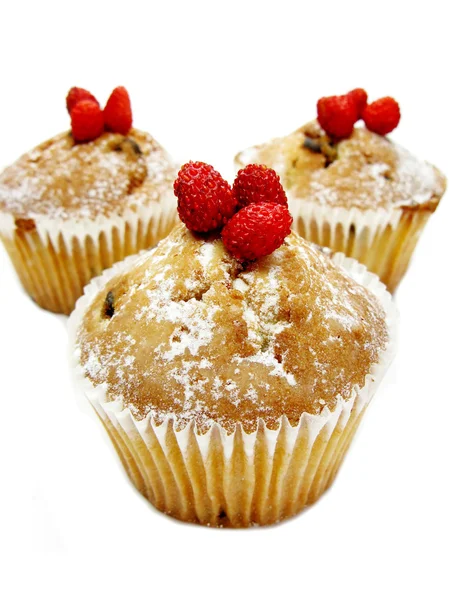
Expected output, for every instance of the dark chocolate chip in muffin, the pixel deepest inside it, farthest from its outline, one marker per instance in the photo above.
(313, 145)
(129, 146)
(108, 306)
(322, 145)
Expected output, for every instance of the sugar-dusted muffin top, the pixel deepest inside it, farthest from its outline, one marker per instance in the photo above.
(186, 330)
(64, 180)
(365, 171)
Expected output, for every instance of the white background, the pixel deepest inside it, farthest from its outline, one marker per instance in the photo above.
(208, 79)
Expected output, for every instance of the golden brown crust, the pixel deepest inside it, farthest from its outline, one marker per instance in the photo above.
(188, 331)
(365, 171)
(61, 179)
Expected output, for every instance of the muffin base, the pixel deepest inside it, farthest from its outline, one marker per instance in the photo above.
(55, 262)
(239, 479)
(383, 241)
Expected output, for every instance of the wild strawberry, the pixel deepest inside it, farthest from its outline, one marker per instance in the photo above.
(117, 112)
(258, 183)
(359, 96)
(337, 115)
(257, 230)
(87, 121)
(75, 95)
(205, 199)
(382, 116)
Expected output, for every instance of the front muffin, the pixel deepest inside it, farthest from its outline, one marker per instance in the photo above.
(232, 389)
(72, 207)
(353, 189)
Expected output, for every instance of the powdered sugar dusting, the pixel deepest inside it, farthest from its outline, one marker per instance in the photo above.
(369, 172)
(62, 180)
(268, 359)
(225, 344)
(260, 330)
(205, 254)
(417, 178)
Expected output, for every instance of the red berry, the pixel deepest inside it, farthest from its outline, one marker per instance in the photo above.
(359, 97)
(257, 230)
(258, 183)
(337, 115)
(75, 95)
(382, 116)
(87, 121)
(205, 199)
(117, 112)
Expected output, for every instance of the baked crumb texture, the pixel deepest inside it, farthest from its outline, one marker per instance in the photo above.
(68, 211)
(230, 391)
(364, 196)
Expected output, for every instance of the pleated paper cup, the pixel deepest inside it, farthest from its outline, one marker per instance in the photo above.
(54, 260)
(234, 479)
(383, 240)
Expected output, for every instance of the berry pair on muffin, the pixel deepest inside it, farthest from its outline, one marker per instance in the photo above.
(337, 115)
(84, 200)
(88, 120)
(351, 188)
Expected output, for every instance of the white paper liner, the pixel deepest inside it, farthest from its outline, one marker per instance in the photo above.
(57, 258)
(383, 240)
(237, 479)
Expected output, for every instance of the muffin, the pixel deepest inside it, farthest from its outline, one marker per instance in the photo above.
(361, 194)
(231, 389)
(70, 208)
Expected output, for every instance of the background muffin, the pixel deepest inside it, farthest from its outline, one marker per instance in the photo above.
(69, 209)
(232, 390)
(360, 194)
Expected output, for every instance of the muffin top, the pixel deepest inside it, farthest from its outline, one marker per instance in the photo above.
(61, 179)
(186, 331)
(364, 171)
